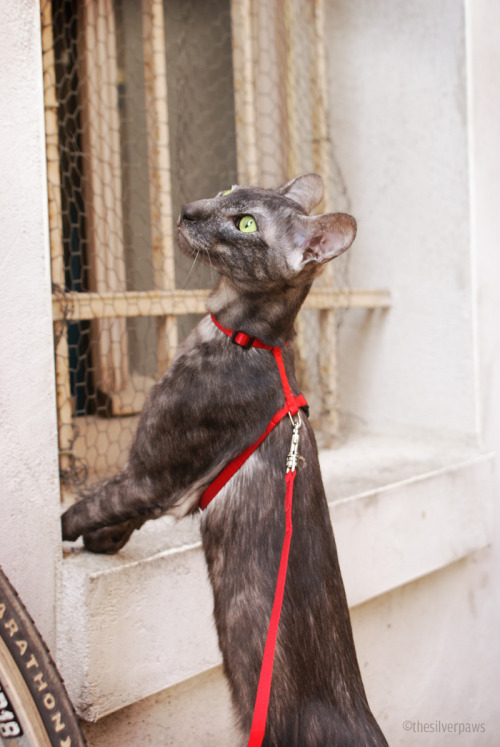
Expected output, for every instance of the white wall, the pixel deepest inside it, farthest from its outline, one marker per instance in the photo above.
(29, 492)
(484, 74)
(398, 112)
(485, 190)
(429, 655)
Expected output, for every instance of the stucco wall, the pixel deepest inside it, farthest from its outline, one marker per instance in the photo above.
(29, 532)
(398, 111)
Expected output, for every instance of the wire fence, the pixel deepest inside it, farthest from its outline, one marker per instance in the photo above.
(149, 105)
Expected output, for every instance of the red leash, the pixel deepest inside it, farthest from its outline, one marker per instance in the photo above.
(291, 408)
(266, 672)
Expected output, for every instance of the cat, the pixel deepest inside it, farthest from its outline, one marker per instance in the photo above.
(214, 401)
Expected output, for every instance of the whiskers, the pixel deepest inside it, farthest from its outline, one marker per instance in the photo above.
(191, 269)
(206, 259)
(213, 273)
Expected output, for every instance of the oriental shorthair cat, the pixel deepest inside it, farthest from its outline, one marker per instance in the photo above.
(213, 403)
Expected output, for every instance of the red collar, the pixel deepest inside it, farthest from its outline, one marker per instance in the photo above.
(241, 338)
(245, 341)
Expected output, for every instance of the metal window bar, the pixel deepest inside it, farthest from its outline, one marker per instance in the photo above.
(130, 137)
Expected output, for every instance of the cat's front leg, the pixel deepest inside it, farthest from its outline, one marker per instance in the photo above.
(112, 510)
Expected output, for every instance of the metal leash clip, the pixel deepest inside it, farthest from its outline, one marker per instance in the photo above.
(293, 454)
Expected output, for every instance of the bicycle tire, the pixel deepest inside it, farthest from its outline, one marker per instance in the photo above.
(35, 710)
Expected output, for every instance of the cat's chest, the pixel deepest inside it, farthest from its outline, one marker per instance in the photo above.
(243, 528)
(253, 499)
(246, 510)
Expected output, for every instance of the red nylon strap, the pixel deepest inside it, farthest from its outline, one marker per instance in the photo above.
(290, 399)
(245, 341)
(241, 338)
(231, 468)
(266, 672)
(292, 405)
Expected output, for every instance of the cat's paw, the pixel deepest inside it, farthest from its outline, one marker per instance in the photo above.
(109, 540)
(70, 525)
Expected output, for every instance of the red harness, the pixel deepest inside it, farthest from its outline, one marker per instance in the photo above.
(291, 408)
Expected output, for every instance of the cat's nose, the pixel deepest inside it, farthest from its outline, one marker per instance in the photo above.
(188, 213)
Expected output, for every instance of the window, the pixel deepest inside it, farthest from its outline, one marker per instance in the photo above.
(148, 105)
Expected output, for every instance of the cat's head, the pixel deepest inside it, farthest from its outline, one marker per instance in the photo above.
(260, 238)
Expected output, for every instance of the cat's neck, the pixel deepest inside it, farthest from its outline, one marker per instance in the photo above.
(268, 317)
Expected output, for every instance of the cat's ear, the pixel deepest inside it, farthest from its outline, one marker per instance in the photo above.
(320, 238)
(307, 190)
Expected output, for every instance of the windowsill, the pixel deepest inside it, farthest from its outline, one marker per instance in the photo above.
(405, 507)
(134, 624)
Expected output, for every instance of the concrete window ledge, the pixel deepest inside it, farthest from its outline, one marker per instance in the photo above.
(137, 623)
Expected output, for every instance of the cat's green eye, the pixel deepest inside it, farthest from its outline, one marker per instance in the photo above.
(247, 224)
(226, 192)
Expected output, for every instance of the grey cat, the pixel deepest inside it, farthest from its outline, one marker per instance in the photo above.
(213, 402)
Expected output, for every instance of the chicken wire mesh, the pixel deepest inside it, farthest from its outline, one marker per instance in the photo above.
(149, 105)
